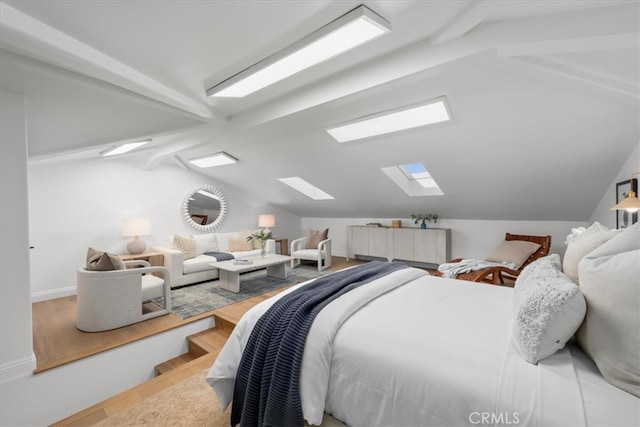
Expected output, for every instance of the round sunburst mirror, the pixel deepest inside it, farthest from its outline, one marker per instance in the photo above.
(204, 208)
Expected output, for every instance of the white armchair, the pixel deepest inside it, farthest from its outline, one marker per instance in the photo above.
(112, 299)
(321, 254)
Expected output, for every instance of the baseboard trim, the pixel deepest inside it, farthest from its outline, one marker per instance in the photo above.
(53, 294)
(17, 369)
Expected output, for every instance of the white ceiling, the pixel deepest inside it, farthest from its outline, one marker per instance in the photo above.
(544, 97)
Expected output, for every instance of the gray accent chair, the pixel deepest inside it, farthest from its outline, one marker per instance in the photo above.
(113, 299)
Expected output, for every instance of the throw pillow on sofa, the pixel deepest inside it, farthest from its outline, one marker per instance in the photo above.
(205, 243)
(185, 244)
(240, 244)
(103, 261)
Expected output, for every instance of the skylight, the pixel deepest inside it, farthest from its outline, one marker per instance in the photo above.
(350, 30)
(124, 148)
(434, 111)
(418, 173)
(413, 179)
(306, 188)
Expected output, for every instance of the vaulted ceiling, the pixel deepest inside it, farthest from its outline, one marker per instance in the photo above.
(544, 97)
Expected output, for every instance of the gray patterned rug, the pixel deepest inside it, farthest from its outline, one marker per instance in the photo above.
(192, 300)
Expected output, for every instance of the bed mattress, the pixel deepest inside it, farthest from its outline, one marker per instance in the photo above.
(434, 351)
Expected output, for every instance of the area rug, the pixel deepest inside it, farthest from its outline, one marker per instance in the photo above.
(192, 300)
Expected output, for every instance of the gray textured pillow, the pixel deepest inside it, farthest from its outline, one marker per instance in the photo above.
(610, 334)
(103, 261)
(548, 309)
(515, 251)
(185, 244)
(315, 237)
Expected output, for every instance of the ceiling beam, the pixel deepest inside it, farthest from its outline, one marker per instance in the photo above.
(571, 45)
(580, 77)
(23, 34)
(472, 14)
(616, 22)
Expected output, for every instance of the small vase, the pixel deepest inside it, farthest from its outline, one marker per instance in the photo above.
(423, 225)
(263, 250)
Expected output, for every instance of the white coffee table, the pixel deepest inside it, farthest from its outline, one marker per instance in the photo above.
(229, 271)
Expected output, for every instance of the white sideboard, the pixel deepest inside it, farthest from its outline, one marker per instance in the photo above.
(430, 245)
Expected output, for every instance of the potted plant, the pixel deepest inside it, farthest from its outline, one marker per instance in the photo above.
(261, 236)
(424, 218)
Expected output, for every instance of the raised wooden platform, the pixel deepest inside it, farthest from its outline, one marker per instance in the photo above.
(203, 349)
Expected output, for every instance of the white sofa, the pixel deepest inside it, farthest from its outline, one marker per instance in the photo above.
(193, 270)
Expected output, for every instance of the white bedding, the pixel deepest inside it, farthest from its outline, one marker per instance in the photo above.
(434, 351)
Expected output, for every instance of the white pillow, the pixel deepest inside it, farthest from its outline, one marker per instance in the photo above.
(581, 245)
(610, 334)
(206, 243)
(548, 309)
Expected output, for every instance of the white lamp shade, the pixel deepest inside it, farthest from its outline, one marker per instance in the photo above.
(266, 221)
(136, 227)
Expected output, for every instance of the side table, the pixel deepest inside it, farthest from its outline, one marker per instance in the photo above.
(284, 244)
(152, 257)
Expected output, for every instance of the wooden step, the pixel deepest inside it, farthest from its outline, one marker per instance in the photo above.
(207, 341)
(199, 344)
(174, 363)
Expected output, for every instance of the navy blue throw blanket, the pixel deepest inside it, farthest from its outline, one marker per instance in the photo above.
(267, 387)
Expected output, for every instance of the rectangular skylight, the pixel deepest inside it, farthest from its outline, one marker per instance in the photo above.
(350, 30)
(414, 179)
(435, 111)
(306, 188)
(417, 172)
(124, 148)
(217, 159)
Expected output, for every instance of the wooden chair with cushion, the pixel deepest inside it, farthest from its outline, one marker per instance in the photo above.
(497, 275)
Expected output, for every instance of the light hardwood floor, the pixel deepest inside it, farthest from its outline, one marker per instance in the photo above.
(57, 341)
(76, 344)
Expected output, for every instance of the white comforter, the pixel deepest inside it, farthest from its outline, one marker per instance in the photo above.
(433, 351)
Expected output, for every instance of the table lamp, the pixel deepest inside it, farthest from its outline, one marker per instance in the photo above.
(265, 221)
(136, 227)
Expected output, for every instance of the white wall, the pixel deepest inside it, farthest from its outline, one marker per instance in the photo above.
(603, 213)
(47, 397)
(469, 238)
(16, 349)
(75, 204)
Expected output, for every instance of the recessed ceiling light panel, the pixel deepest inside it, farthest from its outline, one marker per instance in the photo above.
(350, 30)
(217, 159)
(435, 111)
(124, 148)
(306, 188)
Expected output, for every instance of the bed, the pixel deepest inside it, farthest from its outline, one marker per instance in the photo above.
(410, 349)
